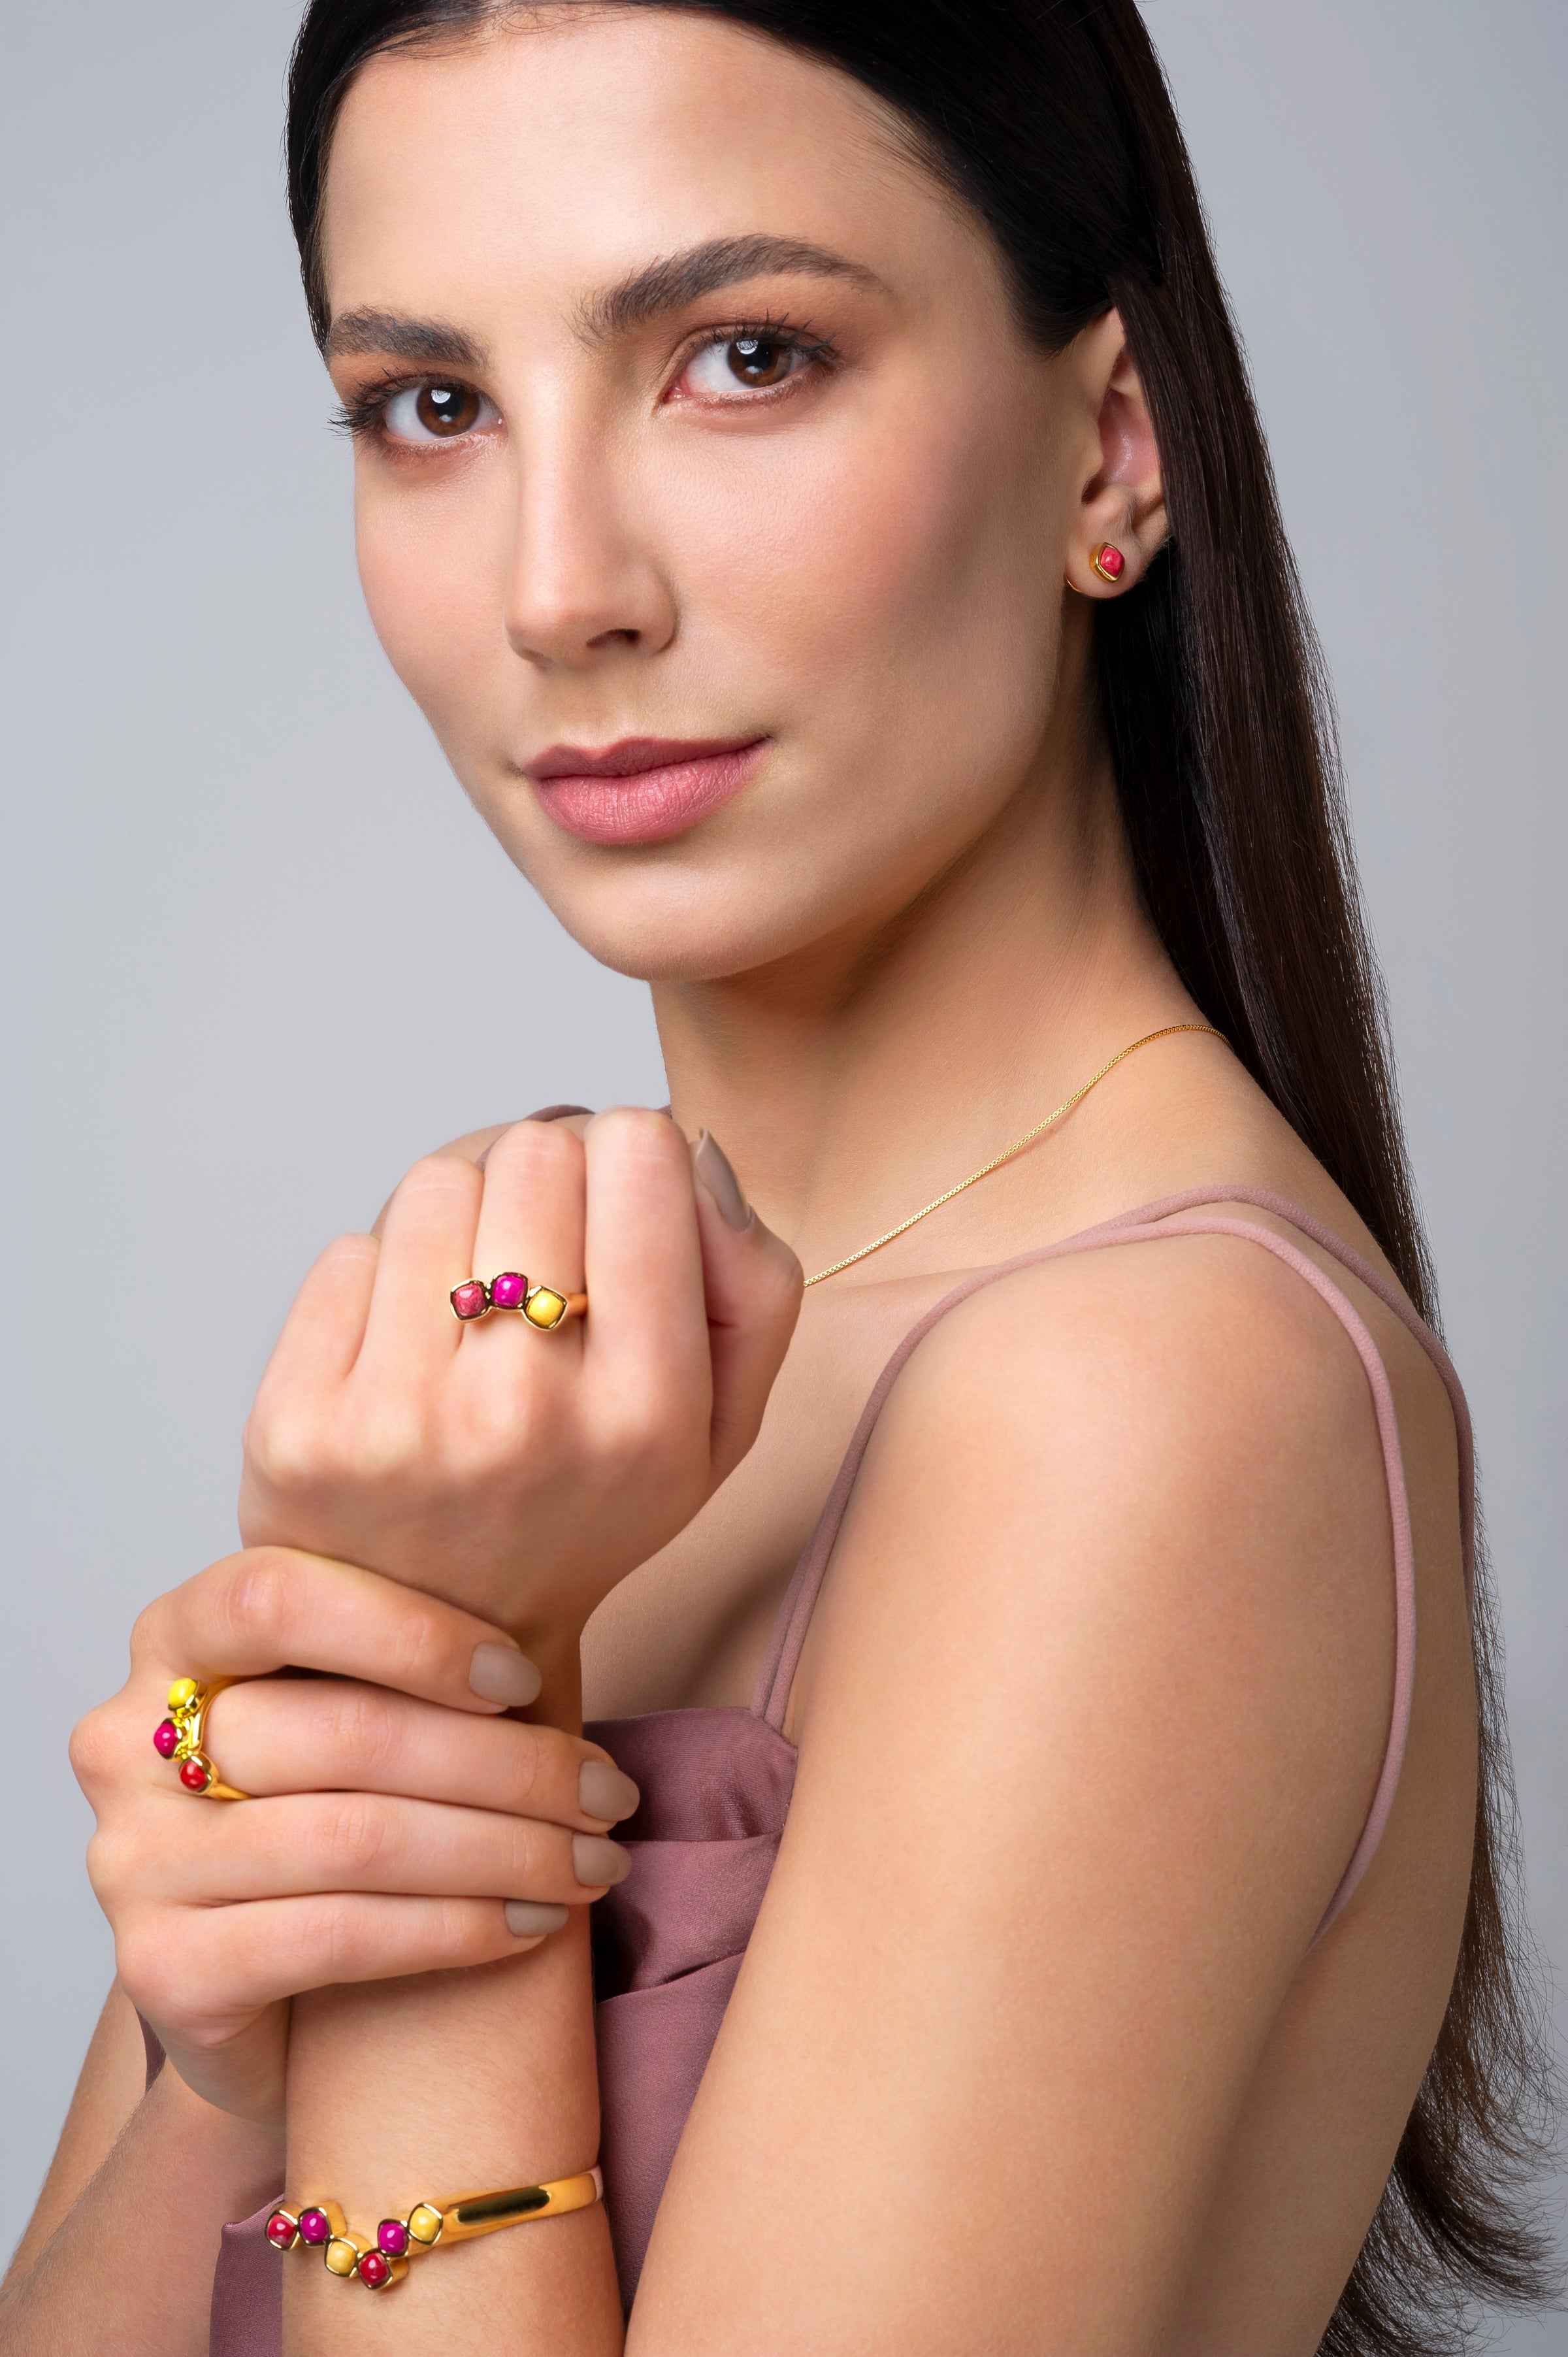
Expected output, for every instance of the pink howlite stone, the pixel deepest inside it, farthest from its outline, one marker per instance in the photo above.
(470, 1301)
(509, 1291)
(392, 2234)
(165, 1738)
(314, 2226)
(1111, 561)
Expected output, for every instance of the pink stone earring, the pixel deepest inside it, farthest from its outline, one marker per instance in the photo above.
(1108, 561)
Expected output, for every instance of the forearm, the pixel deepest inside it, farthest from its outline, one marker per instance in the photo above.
(137, 2249)
(450, 2083)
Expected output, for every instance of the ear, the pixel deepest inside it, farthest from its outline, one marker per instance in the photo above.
(1121, 499)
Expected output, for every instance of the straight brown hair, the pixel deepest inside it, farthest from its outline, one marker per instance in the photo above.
(1051, 119)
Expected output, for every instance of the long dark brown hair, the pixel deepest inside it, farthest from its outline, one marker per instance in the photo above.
(1054, 123)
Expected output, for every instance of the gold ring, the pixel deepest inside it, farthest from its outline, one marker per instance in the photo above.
(540, 1304)
(181, 1737)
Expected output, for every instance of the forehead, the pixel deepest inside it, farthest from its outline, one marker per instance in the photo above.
(573, 146)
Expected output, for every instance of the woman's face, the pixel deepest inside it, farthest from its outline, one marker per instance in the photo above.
(694, 432)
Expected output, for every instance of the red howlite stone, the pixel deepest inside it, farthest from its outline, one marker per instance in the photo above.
(374, 2270)
(1111, 561)
(314, 2226)
(470, 1301)
(509, 1291)
(281, 2231)
(392, 2234)
(165, 1737)
(193, 1776)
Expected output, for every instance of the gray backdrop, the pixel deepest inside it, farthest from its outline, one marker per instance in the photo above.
(240, 1001)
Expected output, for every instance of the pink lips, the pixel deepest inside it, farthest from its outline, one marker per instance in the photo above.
(645, 788)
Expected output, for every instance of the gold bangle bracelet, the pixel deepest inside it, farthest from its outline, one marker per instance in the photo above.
(429, 2225)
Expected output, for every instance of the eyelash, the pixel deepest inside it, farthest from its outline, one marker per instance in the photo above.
(362, 416)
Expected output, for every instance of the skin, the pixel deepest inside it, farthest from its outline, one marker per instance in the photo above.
(1032, 2050)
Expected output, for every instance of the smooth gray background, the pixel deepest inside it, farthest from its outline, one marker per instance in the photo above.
(243, 992)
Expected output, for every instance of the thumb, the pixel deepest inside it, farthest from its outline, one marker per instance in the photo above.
(752, 1284)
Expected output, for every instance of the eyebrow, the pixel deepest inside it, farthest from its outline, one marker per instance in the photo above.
(661, 286)
(674, 280)
(428, 343)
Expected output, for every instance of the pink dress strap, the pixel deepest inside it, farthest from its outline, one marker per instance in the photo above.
(1148, 1224)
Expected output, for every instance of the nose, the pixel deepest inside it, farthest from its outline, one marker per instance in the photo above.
(585, 585)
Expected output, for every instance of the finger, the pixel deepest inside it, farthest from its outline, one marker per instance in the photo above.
(275, 1607)
(322, 1735)
(531, 1214)
(753, 1287)
(302, 1843)
(231, 1961)
(646, 1316)
(427, 1247)
(326, 1326)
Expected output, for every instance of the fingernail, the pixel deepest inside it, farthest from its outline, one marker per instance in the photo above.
(529, 1919)
(501, 1674)
(711, 1167)
(596, 1860)
(603, 1791)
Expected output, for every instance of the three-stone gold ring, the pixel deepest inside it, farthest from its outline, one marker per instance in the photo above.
(182, 1739)
(540, 1304)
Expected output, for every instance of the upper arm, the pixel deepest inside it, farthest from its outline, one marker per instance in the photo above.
(1097, 1699)
(111, 2083)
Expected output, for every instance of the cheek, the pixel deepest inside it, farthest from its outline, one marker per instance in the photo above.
(899, 571)
(432, 587)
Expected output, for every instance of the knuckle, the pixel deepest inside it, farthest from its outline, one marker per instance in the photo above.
(459, 1931)
(150, 1967)
(147, 1629)
(92, 1750)
(365, 1726)
(641, 1136)
(284, 1441)
(341, 1939)
(355, 1836)
(534, 1755)
(257, 1598)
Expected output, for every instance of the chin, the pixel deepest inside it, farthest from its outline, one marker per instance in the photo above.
(664, 922)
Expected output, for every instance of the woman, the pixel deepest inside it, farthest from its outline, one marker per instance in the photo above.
(806, 476)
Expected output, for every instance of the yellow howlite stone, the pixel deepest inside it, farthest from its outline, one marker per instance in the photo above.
(183, 1691)
(545, 1307)
(424, 2222)
(342, 2257)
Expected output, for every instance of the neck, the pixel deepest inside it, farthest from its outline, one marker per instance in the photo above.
(854, 1079)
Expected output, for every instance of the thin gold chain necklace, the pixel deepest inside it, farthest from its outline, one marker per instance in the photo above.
(1168, 1031)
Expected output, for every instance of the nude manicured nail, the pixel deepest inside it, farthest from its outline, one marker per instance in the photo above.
(501, 1674)
(596, 1860)
(603, 1791)
(711, 1167)
(529, 1919)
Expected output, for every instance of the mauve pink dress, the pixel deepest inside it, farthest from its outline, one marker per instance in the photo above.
(671, 1939)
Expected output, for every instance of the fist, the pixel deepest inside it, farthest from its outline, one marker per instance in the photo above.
(519, 1473)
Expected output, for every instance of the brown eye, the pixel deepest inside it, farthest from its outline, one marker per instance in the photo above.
(760, 359)
(446, 409)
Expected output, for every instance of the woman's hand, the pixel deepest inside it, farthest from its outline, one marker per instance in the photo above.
(518, 1473)
(399, 1824)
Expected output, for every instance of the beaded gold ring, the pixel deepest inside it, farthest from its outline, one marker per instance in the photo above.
(181, 1737)
(429, 2225)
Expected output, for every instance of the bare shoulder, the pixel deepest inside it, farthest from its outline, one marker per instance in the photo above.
(1137, 1497)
